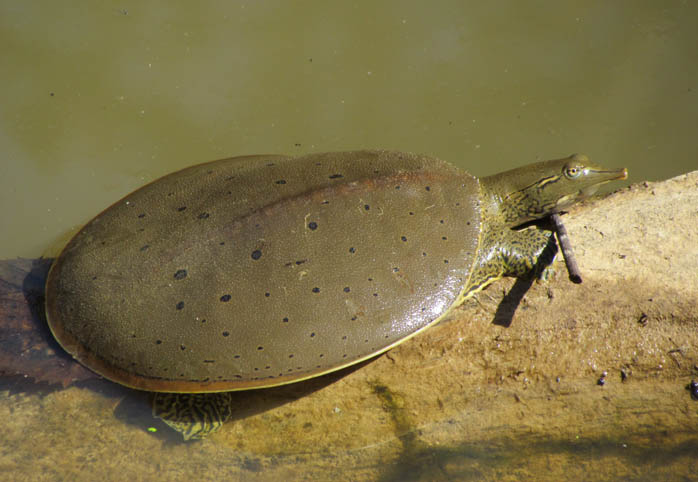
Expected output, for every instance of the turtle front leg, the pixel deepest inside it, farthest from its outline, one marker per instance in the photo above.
(529, 251)
(508, 252)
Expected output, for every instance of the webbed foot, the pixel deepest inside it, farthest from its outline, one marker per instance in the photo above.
(194, 415)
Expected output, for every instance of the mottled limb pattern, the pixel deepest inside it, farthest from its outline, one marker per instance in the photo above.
(508, 252)
(194, 415)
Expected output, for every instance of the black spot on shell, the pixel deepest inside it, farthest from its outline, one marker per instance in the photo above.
(209, 361)
(397, 187)
(316, 290)
(267, 295)
(182, 347)
(367, 207)
(411, 213)
(158, 342)
(312, 225)
(312, 335)
(180, 305)
(404, 238)
(226, 333)
(352, 250)
(256, 254)
(281, 181)
(141, 215)
(444, 238)
(427, 188)
(260, 348)
(290, 356)
(236, 356)
(445, 261)
(285, 320)
(203, 216)
(442, 221)
(182, 208)
(180, 274)
(225, 298)
(347, 289)
(336, 176)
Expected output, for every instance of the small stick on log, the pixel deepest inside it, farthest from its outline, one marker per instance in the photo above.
(566, 248)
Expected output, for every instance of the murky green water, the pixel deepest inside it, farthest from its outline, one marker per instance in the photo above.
(100, 97)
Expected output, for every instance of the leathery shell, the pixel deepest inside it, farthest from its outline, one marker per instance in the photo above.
(257, 271)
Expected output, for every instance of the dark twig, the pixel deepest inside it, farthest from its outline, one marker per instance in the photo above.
(566, 248)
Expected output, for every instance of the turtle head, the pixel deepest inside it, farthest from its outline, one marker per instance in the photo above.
(537, 190)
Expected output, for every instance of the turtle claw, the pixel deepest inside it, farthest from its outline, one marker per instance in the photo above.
(546, 274)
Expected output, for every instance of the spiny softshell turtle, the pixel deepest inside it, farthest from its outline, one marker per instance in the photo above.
(259, 271)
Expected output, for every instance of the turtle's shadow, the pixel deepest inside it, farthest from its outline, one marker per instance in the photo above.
(31, 361)
(135, 407)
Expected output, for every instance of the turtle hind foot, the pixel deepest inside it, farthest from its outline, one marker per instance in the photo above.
(194, 415)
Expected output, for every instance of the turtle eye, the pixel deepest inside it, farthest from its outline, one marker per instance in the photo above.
(572, 171)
